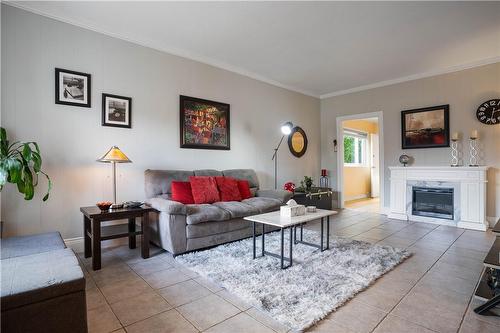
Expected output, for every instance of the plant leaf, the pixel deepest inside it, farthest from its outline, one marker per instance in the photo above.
(27, 152)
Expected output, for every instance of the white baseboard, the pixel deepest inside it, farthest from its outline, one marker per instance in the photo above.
(384, 210)
(357, 197)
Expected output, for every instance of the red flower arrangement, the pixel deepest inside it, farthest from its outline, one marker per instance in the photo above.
(290, 187)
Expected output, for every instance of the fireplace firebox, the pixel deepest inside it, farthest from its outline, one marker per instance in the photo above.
(433, 202)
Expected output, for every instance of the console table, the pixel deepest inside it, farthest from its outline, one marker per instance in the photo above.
(94, 233)
(485, 290)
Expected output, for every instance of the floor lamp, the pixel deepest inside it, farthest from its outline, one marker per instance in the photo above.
(286, 129)
(113, 156)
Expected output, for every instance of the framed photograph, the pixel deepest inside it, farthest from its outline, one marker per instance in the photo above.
(204, 124)
(425, 128)
(72, 88)
(116, 111)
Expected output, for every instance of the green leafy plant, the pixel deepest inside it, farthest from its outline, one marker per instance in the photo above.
(21, 164)
(306, 184)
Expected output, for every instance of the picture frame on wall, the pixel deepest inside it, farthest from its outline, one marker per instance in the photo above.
(204, 124)
(116, 111)
(72, 88)
(426, 127)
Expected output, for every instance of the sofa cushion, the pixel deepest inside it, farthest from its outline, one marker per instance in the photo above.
(181, 192)
(37, 277)
(244, 189)
(205, 213)
(204, 189)
(247, 174)
(263, 204)
(26, 245)
(158, 182)
(215, 227)
(208, 172)
(237, 209)
(228, 189)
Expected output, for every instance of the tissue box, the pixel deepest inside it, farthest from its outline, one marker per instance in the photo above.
(290, 211)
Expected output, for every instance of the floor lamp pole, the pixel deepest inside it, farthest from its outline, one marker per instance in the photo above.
(275, 158)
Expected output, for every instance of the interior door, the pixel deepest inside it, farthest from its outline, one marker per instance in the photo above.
(375, 165)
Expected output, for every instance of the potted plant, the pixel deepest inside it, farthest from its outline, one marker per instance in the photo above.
(21, 164)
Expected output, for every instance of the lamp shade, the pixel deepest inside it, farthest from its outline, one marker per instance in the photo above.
(286, 128)
(115, 155)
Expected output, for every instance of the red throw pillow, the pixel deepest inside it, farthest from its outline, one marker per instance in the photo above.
(228, 189)
(204, 189)
(181, 192)
(244, 188)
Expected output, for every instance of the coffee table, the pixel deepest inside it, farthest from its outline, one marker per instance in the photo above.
(276, 220)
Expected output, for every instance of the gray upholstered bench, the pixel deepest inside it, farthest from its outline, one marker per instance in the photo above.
(43, 286)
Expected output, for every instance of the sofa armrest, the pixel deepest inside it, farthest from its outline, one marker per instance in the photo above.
(282, 195)
(167, 206)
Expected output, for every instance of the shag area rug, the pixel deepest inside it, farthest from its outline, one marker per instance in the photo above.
(316, 284)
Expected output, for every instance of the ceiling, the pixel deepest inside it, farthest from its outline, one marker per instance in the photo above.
(317, 48)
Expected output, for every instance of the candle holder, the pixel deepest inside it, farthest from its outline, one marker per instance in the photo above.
(454, 153)
(324, 181)
(473, 152)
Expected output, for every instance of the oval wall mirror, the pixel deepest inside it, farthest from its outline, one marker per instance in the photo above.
(297, 142)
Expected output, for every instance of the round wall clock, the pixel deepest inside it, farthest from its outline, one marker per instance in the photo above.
(489, 112)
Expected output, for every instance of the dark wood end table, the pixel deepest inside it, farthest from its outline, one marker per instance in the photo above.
(94, 233)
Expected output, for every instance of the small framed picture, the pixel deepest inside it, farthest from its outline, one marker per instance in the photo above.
(72, 88)
(116, 111)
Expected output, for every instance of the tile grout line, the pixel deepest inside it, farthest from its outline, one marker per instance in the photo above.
(427, 271)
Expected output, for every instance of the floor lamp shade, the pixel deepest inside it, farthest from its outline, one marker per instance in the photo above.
(113, 156)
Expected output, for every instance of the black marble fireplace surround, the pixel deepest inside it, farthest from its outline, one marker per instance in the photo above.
(433, 202)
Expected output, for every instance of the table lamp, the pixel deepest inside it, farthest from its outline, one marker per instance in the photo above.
(113, 156)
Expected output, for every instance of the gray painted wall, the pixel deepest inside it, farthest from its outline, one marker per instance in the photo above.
(463, 90)
(71, 138)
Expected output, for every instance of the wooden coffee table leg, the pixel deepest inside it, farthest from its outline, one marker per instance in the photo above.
(131, 228)
(145, 235)
(96, 244)
(87, 240)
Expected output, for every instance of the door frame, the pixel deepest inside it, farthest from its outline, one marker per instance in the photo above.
(340, 153)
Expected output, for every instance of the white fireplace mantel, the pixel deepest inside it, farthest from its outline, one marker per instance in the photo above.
(470, 183)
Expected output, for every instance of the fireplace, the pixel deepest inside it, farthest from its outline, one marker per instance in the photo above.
(433, 202)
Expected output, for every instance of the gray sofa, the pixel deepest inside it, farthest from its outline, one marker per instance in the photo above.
(43, 286)
(180, 228)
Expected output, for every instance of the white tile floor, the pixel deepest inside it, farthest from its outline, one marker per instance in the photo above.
(429, 292)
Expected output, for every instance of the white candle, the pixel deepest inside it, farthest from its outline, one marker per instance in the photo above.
(473, 134)
(454, 136)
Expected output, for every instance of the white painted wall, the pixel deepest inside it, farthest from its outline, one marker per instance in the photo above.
(463, 90)
(71, 138)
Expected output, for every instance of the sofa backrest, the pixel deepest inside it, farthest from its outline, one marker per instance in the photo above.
(158, 182)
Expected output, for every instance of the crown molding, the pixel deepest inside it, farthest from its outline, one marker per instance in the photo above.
(172, 51)
(413, 77)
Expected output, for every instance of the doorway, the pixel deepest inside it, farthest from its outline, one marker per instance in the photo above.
(360, 162)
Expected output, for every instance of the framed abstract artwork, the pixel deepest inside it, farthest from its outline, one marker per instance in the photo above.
(72, 88)
(116, 111)
(204, 124)
(425, 128)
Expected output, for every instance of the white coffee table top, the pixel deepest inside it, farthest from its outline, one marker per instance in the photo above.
(275, 219)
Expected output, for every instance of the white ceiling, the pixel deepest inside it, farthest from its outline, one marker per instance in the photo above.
(318, 48)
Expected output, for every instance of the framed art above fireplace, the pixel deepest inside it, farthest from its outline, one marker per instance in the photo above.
(426, 127)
